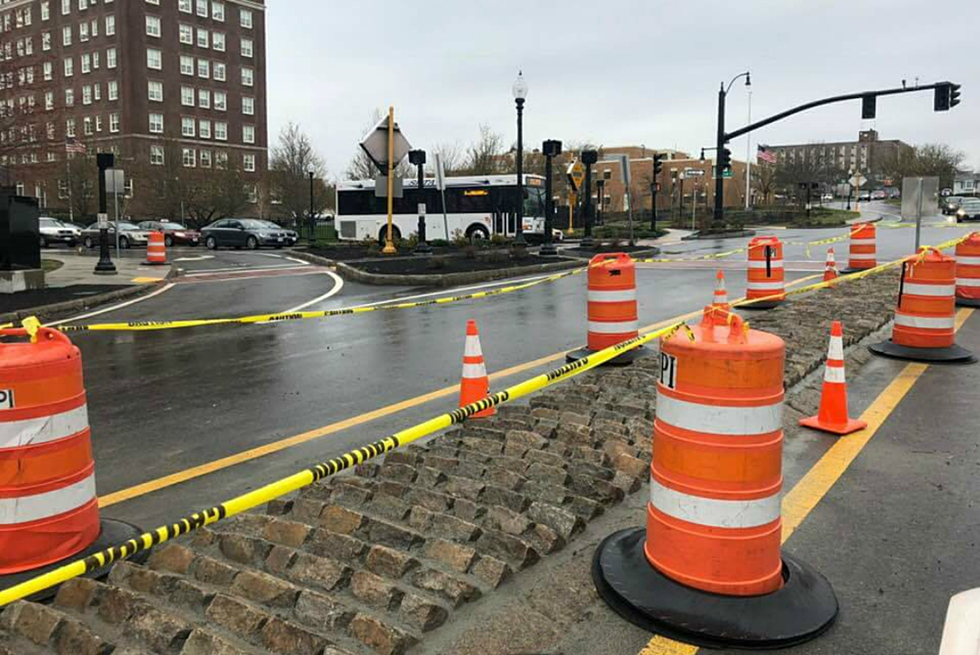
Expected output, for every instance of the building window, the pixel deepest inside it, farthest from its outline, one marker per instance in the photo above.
(204, 129)
(245, 16)
(49, 101)
(185, 6)
(110, 25)
(153, 26)
(248, 76)
(247, 47)
(110, 58)
(46, 41)
(186, 34)
(248, 106)
(66, 35)
(156, 155)
(83, 32)
(221, 160)
(203, 68)
(202, 8)
(69, 67)
(248, 163)
(153, 2)
(113, 123)
(113, 89)
(97, 89)
(86, 60)
(220, 101)
(45, 10)
(218, 41)
(98, 123)
(204, 99)
(154, 59)
(86, 95)
(187, 127)
(220, 71)
(87, 125)
(156, 123)
(154, 90)
(204, 156)
(190, 158)
(248, 134)
(70, 127)
(186, 65)
(65, 7)
(95, 60)
(221, 131)
(218, 10)
(48, 71)
(187, 96)
(203, 38)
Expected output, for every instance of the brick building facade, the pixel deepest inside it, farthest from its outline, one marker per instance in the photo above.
(867, 155)
(145, 79)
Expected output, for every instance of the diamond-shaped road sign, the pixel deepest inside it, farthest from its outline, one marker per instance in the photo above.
(576, 174)
(858, 180)
(375, 144)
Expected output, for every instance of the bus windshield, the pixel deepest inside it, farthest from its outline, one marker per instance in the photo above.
(533, 202)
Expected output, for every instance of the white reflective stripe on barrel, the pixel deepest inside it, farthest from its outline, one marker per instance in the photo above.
(966, 260)
(834, 374)
(864, 241)
(775, 263)
(862, 255)
(928, 322)
(719, 419)
(934, 290)
(713, 511)
(624, 295)
(35, 431)
(23, 509)
(766, 286)
(968, 281)
(621, 327)
(472, 347)
(474, 371)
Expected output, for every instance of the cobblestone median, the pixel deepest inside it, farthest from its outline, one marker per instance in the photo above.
(373, 562)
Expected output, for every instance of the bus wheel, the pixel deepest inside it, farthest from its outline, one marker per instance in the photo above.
(477, 233)
(396, 235)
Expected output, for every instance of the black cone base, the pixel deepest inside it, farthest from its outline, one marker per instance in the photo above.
(625, 359)
(952, 355)
(762, 304)
(802, 609)
(113, 533)
(967, 302)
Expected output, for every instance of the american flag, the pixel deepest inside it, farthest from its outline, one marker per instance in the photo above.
(766, 156)
(75, 146)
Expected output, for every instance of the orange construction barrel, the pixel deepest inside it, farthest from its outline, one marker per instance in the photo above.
(49, 510)
(612, 313)
(766, 279)
(925, 321)
(708, 568)
(156, 249)
(968, 271)
(863, 247)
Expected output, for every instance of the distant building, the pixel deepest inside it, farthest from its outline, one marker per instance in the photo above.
(867, 155)
(966, 184)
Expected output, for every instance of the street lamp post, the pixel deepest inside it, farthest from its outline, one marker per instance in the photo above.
(312, 210)
(589, 157)
(104, 161)
(600, 200)
(520, 94)
(417, 157)
(719, 214)
(551, 149)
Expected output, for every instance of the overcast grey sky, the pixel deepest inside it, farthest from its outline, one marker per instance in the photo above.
(618, 72)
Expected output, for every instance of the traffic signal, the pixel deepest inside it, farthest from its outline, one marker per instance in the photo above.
(725, 159)
(658, 167)
(868, 106)
(954, 95)
(947, 96)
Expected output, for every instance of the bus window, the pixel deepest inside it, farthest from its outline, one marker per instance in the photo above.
(533, 202)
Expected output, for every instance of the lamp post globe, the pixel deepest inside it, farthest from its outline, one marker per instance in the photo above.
(519, 90)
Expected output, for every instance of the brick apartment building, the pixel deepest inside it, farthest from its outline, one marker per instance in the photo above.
(867, 155)
(146, 79)
(676, 192)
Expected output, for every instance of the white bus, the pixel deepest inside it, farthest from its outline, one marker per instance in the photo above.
(477, 207)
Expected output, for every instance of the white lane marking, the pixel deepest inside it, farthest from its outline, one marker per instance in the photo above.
(168, 287)
(443, 292)
(199, 258)
(338, 284)
(239, 278)
(293, 259)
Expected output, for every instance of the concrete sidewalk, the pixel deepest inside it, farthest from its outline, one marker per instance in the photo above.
(80, 269)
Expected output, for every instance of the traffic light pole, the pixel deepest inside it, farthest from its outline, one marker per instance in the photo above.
(948, 88)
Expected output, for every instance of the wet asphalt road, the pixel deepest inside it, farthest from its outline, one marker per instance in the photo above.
(164, 402)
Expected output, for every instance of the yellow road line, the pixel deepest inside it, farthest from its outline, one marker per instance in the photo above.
(800, 501)
(213, 466)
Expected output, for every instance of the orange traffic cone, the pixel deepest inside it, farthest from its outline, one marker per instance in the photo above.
(833, 415)
(830, 272)
(721, 294)
(475, 383)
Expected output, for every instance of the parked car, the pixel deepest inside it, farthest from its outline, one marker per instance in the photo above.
(950, 204)
(969, 210)
(173, 233)
(248, 233)
(864, 196)
(129, 235)
(880, 194)
(53, 231)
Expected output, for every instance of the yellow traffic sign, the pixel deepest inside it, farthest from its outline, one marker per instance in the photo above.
(576, 174)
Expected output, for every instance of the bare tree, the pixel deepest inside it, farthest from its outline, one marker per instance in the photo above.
(764, 181)
(451, 156)
(485, 156)
(81, 186)
(292, 161)
(926, 160)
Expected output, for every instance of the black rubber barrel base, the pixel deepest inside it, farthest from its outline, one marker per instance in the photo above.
(802, 609)
(112, 533)
(625, 359)
(952, 355)
(852, 271)
(764, 304)
(967, 302)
